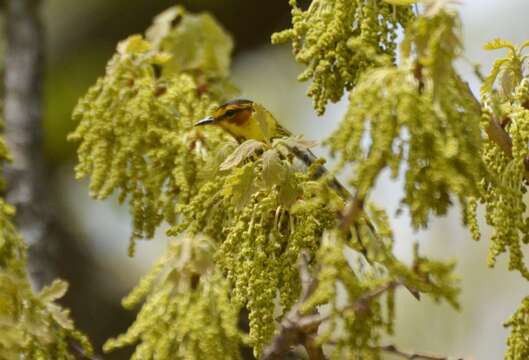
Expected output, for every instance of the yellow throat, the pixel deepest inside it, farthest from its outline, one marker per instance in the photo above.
(244, 120)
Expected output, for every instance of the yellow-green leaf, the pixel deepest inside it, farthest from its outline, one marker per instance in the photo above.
(61, 316)
(199, 41)
(54, 291)
(241, 185)
(507, 81)
(134, 44)
(488, 84)
(274, 171)
(498, 44)
(163, 24)
(289, 190)
(243, 151)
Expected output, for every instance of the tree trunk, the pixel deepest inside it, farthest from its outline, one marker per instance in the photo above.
(23, 129)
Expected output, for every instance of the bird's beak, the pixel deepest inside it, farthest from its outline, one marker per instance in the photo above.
(206, 121)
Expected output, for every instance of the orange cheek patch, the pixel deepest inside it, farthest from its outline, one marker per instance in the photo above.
(241, 117)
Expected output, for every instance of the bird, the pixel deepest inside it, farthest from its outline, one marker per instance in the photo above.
(244, 120)
(248, 120)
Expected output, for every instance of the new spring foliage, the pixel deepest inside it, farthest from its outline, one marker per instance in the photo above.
(136, 123)
(240, 215)
(338, 40)
(419, 113)
(32, 324)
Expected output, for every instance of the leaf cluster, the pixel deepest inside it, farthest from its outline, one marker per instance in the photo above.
(32, 325)
(339, 39)
(262, 211)
(503, 193)
(517, 344)
(241, 215)
(358, 300)
(420, 113)
(135, 125)
(187, 312)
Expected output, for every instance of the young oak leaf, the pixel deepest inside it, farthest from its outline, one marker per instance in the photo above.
(211, 56)
(61, 316)
(48, 295)
(488, 84)
(499, 44)
(240, 185)
(289, 190)
(245, 150)
(54, 291)
(274, 171)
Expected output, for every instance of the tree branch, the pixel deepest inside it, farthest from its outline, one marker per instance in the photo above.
(392, 349)
(351, 212)
(298, 329)
(495, 131)
(23, 127)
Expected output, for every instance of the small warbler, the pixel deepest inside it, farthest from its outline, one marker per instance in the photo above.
(245, 120)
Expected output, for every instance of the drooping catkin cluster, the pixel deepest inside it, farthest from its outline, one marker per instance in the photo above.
(503, 193)
(32, 325)
(418, 113)
(261, 229)
(188, 312)
(517, 343)
(339, 39)
(262, 212)
(505, 112)
(136, 123)
(358, 300)
(362, 319)
(240, 215)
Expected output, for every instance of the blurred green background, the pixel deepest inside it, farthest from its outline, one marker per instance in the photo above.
(92, 255)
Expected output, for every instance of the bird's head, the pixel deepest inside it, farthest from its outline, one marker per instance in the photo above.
(235, 117)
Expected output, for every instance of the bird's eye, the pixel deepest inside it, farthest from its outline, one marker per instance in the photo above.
(230, 113)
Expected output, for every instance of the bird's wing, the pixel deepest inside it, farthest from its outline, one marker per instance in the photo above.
(281, 131)
(308, 158)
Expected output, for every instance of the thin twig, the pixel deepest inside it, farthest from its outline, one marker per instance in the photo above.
(494, 130)
(392, 349)
(352, 211)
(359, 306)
(298, 329)
(313, 348)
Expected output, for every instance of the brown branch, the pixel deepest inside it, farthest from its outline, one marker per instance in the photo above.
(496, 128)
(314, 350)
(495, 131)
(23, 130)
(298, 329)
(352, 211)
(392, 349)
(361, 305)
